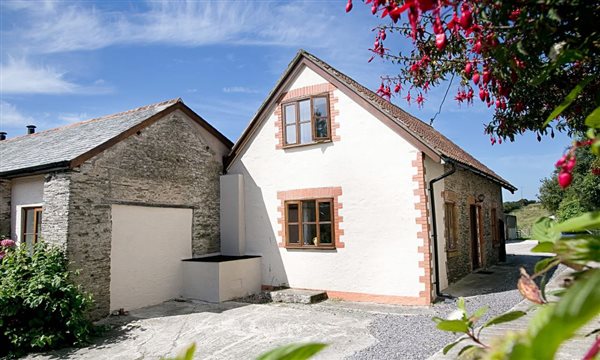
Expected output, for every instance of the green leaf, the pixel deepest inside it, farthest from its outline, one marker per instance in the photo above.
(542, 264)
(593, 119)
(568, 100)
(587, 221)
(467, 349)
(480, 312)
(453, 344)
(591, 133)
(543, 247)
(453, 326)
(542, 230)
(293, 352)
(461, 304)
(557, 323)
(506, 317)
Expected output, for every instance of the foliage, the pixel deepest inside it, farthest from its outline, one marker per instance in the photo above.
(40, 307)
(510, 206)
(286, 352)
(526, 217)
(582, 195)
(554, 322)
(521, 57)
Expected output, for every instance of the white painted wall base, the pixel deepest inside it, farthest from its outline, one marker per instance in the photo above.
(148, 244)
(221, 281)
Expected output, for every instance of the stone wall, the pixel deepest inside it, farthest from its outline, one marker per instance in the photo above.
(463, 188)
(55, 211)
(166, 164)
(5, 195)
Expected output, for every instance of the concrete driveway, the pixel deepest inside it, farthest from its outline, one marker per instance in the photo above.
(234, 330)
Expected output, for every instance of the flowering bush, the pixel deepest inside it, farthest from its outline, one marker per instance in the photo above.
(40, 307)
(5, 245)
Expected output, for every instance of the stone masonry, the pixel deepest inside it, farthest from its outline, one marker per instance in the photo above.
(5, 190)
(165, 164)
(464, 187)
(55, 218)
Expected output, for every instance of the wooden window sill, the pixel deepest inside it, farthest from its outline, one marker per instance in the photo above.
(293, 146)
(292, 247)
(451, 253)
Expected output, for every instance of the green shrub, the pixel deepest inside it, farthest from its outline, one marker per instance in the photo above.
(40, 307)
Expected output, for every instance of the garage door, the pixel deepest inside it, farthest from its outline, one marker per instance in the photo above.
(147, 246)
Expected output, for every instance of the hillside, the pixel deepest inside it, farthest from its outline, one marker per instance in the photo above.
(527, 215)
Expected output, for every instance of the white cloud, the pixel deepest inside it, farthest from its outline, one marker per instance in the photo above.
(239, 89)
(19, 77)
(63, 26)
(11, 116)
(70, 118)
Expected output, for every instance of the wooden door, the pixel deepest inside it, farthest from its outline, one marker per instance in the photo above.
(474, 217)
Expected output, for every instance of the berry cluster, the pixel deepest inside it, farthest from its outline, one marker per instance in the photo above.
(567, 163)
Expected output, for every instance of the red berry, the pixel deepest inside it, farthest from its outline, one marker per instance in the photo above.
(561, 161)
(440, 41)
(349, 6)
(397, 88)
(564, 179)
(569, 165)
(468, 68)
(466, 19)
(476, 77)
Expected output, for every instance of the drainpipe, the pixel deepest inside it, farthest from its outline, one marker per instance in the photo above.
(434, 224)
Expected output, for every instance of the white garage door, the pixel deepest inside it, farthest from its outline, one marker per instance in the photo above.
(147, 246)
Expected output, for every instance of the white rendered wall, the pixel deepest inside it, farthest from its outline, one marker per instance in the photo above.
(148, 244)
(373, 166)
(26, 192)
(433, 170)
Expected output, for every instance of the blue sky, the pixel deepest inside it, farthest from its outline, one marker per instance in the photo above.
(63, 62)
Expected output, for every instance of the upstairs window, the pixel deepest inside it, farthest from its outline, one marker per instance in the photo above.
(309, 223)
(307, 120)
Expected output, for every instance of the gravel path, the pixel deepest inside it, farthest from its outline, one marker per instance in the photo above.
(416, 337)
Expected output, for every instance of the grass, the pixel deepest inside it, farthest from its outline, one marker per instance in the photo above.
(527, 215)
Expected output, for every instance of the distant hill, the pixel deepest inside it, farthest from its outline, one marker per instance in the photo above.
(527, 215)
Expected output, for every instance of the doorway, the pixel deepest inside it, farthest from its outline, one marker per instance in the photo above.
(475, 220)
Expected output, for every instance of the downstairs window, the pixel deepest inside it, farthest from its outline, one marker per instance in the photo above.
(309, 223)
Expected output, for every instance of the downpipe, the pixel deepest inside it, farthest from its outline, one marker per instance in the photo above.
(438, 293)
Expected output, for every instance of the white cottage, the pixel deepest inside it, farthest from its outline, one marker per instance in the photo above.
(330, 185)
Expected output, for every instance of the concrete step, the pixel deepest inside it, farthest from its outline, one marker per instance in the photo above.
(298, 296)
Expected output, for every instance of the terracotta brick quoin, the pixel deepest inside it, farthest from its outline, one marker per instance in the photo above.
(308, 91)
(423, 221)
(312, 193)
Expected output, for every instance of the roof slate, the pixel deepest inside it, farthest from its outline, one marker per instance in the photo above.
(422, 131)
(67, 143)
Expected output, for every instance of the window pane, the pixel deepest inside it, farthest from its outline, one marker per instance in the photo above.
(309, 234)
(292, 234)
(321, 130)
(309, 211)
(304, 110)
(290, 114)
(38, 220)
(325, 235)
(320, 106)
(305, 133)
(29, 214)
(290, 134)
(325, 211)
(293, 213)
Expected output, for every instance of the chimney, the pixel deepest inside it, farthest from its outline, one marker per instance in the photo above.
(30, 129)
(2, 135)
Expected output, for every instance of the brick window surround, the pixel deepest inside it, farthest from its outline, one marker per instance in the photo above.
(422, 221)
(302, 92)
(313, 193)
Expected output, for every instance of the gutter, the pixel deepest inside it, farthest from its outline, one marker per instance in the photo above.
(438, 293)
(35, 170)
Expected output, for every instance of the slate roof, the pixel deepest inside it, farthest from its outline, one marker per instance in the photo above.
(55, 148)
(425, 133)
